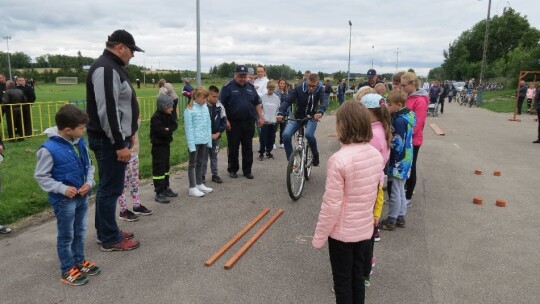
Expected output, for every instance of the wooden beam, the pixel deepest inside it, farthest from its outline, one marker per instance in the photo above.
(230, 263)
(436, 129)
(235, 238)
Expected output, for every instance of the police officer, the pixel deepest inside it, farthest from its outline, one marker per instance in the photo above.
(243, 107)
(372, 79)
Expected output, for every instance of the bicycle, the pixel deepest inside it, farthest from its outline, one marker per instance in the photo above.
(300, 162)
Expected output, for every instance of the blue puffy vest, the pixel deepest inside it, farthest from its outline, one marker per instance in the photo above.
(69, 168)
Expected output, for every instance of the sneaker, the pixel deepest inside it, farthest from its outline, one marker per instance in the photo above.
(126, 235)
(5, 230)
(123, 245)
(261, 157)
(367, 283)
(128, 216)
(74, 277)
(386, 225)
(195, 192)
(170, 193)
(400, 223)
(536, 141)
(204, 189)
(217, 179)
(161, 198)
(233, 175)
(282, 146)
(377, 235)
(316, 160)
(333, 289)
(274, 147)
(372, 263)
(249, 176)
(88, 268)
(142, 210)
(269, 155)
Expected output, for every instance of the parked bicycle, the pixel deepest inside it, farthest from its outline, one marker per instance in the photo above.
(300, 162)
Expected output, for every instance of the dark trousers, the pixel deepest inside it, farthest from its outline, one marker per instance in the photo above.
(520, 104)
(174, 107)
(267, 138)
(27, 120)
(14, 122)
(160, 167)
(111, 184)
(538, 113)
(441, 102)
(411, 181)
(369, 255)
(241, 132)
(347, 261)
(282, 126)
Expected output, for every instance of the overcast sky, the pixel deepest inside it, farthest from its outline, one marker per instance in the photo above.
(302, 34)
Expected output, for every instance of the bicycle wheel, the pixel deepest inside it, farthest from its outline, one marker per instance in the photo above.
(295, 175)
(308, 162)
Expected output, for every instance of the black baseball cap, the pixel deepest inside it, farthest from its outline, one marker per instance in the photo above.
(241, 69)
(371, 73)
(122, 36)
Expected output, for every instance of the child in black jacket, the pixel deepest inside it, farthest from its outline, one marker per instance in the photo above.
(162, 126)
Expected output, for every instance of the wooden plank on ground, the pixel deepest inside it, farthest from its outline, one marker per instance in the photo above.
(235, 238)
(436, 129)
(230, 263)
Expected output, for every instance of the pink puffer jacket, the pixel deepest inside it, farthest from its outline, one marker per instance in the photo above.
(352, 177)
(418, 103)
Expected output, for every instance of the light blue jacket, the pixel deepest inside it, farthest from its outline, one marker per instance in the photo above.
(198, 126)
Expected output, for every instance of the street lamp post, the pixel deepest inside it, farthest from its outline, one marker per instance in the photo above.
(372, 55)
(486, 35)
(397, 58)
(199, 82)
(8, 59)
(349, 65)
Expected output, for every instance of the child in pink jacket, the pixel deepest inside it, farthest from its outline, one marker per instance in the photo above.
(346, 217)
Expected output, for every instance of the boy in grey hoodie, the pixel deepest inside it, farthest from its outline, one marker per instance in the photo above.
(64, 170)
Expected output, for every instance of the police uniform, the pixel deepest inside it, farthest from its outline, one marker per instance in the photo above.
(239, 103)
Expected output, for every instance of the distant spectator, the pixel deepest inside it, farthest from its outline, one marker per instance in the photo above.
(328, 88)
(14, 97)
(531, 91)
(187, 90)
(30, 95)
(537, 102)
(342, 87)
(522, 93)
(138, 83)
(261, 80)
(372, 79)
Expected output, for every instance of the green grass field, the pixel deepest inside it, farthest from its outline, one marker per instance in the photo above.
(20, 196)
(500, 101)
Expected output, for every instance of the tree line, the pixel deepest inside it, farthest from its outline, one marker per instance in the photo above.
(513, 46)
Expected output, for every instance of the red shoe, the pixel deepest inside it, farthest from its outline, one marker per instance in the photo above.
(123, 245)
(125, 234)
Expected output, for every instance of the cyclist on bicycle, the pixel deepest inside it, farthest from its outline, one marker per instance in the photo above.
(310, 101)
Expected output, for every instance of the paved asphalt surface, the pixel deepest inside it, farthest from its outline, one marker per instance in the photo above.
(452, 251)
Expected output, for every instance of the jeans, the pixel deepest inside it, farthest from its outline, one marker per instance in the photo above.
(397, 204)
(267, 138)
(292, 127)
(71, 221)
(111, 184)
(347, 261)
(213, 155)
(196, 159)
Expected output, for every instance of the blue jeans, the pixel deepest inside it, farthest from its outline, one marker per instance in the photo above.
(341, 99)
(291, 128)
(71, 221)
(111, 184)
(397, 204)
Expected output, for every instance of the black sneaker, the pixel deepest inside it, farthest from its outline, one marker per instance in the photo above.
(128, 216)
(261, 157)
(386, 225)
(536, 141)
(233, 175)
(269, 155)
(142, 210)
(400, 223)
(217, 179)
(5, 230)
(249, 176)
(170, 193)
(316, 160)
(161, 198)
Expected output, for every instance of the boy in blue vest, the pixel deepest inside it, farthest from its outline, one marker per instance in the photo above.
(65, 172)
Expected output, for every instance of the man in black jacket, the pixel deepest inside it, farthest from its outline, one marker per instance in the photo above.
(310, 101)
(14, 97)
(113, 111)
(30, 95)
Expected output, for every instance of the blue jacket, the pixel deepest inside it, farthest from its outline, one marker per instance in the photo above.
(306, 103)
(401, 151)
(70, 166)
(197, 125)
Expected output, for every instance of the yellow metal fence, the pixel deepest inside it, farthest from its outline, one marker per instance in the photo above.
(24, 120)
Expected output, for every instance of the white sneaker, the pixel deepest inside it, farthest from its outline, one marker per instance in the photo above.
(274, 146)
(195, 192)
(204, 189)
(282, 146)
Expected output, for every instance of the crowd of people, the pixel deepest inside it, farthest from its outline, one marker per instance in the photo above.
(380, 130)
